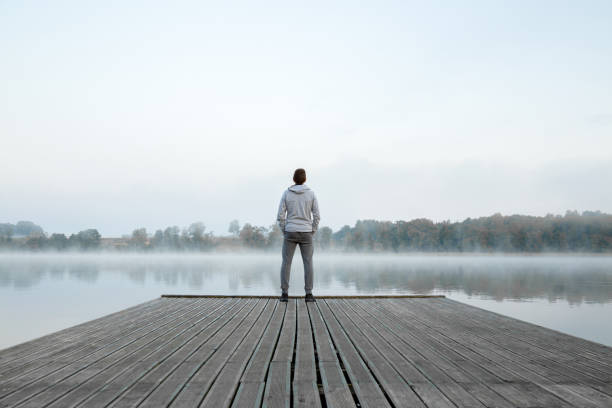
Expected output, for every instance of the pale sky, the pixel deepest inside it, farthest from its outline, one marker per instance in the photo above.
(123, 114)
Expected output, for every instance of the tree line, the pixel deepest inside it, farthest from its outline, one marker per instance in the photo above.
(589, 232)
(13, 238)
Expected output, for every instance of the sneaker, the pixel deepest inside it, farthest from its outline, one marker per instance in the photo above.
(310, 298)
(284, 297)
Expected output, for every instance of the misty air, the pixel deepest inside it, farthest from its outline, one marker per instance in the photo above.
(321, 204)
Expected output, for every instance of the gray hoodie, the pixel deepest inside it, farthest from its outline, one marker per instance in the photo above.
(295, 209)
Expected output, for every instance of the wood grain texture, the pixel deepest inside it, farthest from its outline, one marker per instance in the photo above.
(344, 351)
(304, 384)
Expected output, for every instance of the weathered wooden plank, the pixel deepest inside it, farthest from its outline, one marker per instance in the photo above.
(38, 381)
(365, 341)
(542, 364)
(249, 395)
(201, 381)
(105, 375)
(223, 390)
(544, 344)
(70, 377)
(335, 387)
(440, 378)
(532, 394)
(565, 343)
(107, 330)
(305, 370)
(187, 363)
(543, 360)
(386, 342)
(362, 381)
(134, 396)
(534, 383)
(306, 394)
(305, 389)
(101, 374)
(471, 376)
(278, 383)
(258, 365)
(65, 348)
(325, 347)
(182, 348)
(25, 372)
(74, 332)
(248, 352)
(133, 371)
(253, 381)
(286, 341)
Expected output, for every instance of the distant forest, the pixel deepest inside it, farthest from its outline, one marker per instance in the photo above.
(589, 232)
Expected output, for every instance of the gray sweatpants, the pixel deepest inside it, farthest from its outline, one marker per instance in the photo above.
(304, 240)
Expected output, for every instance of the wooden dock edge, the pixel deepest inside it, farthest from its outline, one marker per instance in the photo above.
(317, 297)
(348, 353)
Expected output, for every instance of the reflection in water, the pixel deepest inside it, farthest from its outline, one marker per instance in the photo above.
(44, 293)
(573, 279)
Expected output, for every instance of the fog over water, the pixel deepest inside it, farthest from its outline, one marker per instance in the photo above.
(48, 292)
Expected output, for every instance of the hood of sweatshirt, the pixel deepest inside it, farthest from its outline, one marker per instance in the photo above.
(299, 188)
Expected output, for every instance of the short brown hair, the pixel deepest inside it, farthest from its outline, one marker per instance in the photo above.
(299, 176)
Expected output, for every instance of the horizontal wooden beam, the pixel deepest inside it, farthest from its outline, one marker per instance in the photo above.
(302, 297)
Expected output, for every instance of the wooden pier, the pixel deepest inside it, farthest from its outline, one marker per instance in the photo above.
(338, 352)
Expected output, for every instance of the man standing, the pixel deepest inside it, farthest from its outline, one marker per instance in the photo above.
(298, 218)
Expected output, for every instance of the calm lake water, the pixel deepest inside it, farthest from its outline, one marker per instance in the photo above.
(43, 293)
